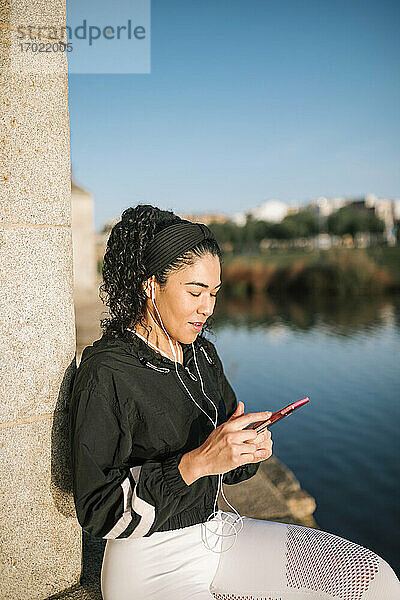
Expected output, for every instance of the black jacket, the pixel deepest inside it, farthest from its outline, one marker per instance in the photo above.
(131, 421)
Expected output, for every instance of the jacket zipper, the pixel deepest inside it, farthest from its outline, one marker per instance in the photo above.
(160, 369)
(166, 370)
(206, 355)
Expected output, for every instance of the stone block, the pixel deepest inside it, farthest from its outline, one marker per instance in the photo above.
(35, 163)
(37, 337)
(41, 547)
(301, 504)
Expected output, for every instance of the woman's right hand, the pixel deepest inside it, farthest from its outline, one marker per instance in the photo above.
(229, 446)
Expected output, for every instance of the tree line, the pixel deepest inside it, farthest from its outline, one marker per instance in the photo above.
(303, 224)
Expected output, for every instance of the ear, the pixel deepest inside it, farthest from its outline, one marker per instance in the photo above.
(147, 286)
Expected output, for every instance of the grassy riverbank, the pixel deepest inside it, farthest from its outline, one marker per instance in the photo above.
(336, 272)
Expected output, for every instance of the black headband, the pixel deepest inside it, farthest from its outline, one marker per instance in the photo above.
(173, 241)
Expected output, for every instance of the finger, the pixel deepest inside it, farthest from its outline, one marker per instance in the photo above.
(259, 439)
(263, 452)
(250, 436)
(246, 459)
(260, 446)
(254, 457)
(267, 446)
(243, 435)
(262, 455)
(247, 447)
(242, 421)
(263, 445)
(262, 440)
(238, 411)
(264, 434)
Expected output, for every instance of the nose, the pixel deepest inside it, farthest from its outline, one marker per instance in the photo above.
(207, 306)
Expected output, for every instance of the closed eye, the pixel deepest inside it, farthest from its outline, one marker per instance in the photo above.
(197, 295)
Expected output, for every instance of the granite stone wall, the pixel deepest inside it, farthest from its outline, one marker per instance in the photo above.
(40, 539)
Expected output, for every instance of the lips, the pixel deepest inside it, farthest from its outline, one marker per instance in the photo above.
(198, 325)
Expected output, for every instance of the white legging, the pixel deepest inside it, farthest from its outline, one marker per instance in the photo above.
(269, 561)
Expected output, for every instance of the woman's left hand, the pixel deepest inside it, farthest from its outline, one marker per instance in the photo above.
(263, 441)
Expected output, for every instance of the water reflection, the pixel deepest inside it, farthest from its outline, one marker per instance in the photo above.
(339, 317)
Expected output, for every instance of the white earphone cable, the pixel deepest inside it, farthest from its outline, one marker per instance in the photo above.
(218, 516)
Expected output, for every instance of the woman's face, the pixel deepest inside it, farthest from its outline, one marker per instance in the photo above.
(188, 297)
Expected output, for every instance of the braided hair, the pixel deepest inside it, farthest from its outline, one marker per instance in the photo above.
(123, 268)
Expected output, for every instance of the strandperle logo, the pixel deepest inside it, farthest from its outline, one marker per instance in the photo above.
(96, 37)
(84, 31)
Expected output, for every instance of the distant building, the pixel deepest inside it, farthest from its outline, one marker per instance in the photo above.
(273, 211)
(102, 238)
(323, 207)
(294, 208)
(205, 218)
(384, 210)
(239, 219)
(83, 243)
(322, 241)
(396, 209)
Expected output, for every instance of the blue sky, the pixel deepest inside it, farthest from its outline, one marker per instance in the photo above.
(247, 100)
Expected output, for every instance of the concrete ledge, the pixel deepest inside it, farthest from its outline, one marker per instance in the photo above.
(273, 494)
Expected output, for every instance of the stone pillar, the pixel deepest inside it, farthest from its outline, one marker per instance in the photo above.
(84, 246)
(40, 539)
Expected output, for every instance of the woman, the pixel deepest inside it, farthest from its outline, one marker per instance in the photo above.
(156, 429)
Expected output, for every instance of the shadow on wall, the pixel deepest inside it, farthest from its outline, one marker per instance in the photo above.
(88, 588)
(61, 472)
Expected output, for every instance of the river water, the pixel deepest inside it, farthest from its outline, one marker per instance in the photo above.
(344, 445)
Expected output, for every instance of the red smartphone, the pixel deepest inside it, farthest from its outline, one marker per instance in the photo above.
(276, 416)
